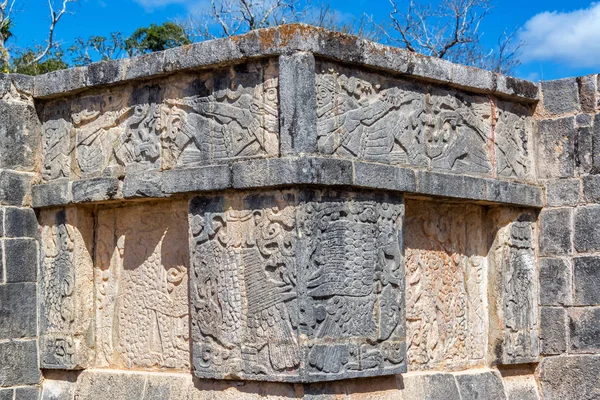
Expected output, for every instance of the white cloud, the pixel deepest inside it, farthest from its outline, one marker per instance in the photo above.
(572, 37)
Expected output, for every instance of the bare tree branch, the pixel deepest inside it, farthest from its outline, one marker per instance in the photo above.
(54, 19)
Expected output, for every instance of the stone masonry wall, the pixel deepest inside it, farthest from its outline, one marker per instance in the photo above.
(296, 213)
(569, 132)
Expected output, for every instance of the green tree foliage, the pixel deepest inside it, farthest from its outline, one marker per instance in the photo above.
(23, 62)
(156, 38)
(97, 48)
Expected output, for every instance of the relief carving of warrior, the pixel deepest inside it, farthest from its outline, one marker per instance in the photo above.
(512, 145)
(398, 126)
(354, 273)
(226, 124)
(56, 150)
(249, 252)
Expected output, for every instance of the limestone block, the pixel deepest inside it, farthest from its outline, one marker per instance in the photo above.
(141, 287)
(201, 118)
(584, 330)
(446, 270)
(513, 293)
(475, 386)
(586, 281)
(376, 118)
(20, 223)
(591, 188)
(20, 260)
(19, 363)
(561, 96)
(18, 311)
(555, 282)
(7, 394)
(587, 230)
(521, 387)
(556, 147)
(553, 330)
(27, 393)
(66, 289)
(573, 377)
(297, 286)
(555, 232)
(563, 192)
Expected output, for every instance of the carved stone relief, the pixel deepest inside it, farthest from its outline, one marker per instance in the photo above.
(297, 286)
(187, 119)
(66, 300)
(141, 287)
(515, 335)
(372, 117)
(446, 280)
(513, 139)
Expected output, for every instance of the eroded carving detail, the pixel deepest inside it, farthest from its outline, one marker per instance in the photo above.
(222, 114)
(141, 288)
(446, 321)
(291, 287)
(65, 303)
(519, 294)
(513, 132)
(371, 118)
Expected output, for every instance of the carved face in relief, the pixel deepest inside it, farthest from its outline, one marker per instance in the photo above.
(326, 86)
(440, 123)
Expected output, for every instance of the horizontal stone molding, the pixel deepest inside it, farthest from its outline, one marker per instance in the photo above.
(284, 40)
(287, 172)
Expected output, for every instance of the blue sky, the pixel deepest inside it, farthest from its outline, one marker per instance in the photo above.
(562, 38)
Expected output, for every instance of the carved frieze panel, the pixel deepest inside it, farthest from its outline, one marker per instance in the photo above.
(141, 287)
(515, 298)
(376, 118)
(513, 140)
(198, 118)
(297, 286)
(446, 281)
(66, 300)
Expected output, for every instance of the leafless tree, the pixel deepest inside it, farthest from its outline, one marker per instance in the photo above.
(449, 29)
(6, 8)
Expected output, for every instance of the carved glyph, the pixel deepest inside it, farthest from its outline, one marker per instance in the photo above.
(66, 337)
(296, 286)
(445, 286)
(188, 119)
(513, 141)
(373, 118)
(141, 287)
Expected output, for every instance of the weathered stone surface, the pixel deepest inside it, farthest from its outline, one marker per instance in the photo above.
(27, 393)
(388, 177)
(553, 330)
(586, 281)
(20, 223)
(555, 149)
(18, 311)
(19, 127)
(182, 180)
(563, 192)
(587, 230)
(322, 275)
(476, 386)
(588, 89)
(555, 282)
(555, 232)
(57, 193)
(66, 289)
(584, 330)
(560, 96)
(514, 327)
(15, 187)
(143, 184)
(521, 387)
(374, 118)
(7, 394)
(141, 291)
(591, 188)
(19, 364)
(21, 260)
(110, 386)
(297, 98)
(430, 386)
(96, 189)
(570, 377)
(222, 114)
(445, 292)
(57, 389)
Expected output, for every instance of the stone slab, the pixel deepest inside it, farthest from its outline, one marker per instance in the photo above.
(18, 311)
(586, 281)
(19, 363)
(487, 385)
(21, 260)
(300, 273)
(553, 331)
(555, 232)
(573, 377)
(584, 330)
(555, 282)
